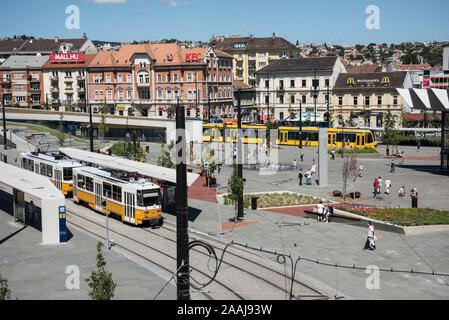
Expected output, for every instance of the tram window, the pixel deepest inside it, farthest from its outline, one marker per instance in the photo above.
(117, 193)
(312, 136)
(31, 165)
(351, 137)
(81, 182)
(369, 138)
(149, 197)
(293, 135)
(68, 174)
(49, 171)
(43, 169)
(107, 189)
(89, 184)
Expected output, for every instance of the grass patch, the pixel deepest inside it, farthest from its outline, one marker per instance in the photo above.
(40, 128)
(403, 216)
(356, 150)
(117, 149)
(268, 200)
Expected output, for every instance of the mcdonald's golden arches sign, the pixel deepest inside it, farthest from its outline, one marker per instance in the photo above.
(386, 80)
(350, 81)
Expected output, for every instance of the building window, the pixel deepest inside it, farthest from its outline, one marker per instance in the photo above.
(281, 116)
(281, 98)
(304, 83)
(267, 83)
(168, 94)
(159, 78)
(175, 77)
(176, 94)
(292, 83)
(304, 99)
(292, 99)
(355, 101)
(326, 82)
(340, 101)
(281, 84)
(367, 101)
(395, 100)
(120, 78)
(109, 94)
(108, 78)
(261, 54)
(159, 94)
(262, 64)
(379, 100)
(128, 78)
(267, 99)
(168, 77)
(130, 94)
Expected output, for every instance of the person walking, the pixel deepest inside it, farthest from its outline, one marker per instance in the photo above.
(333, 154)
(307, 142)
(380, 185)
(300, 176)
(392, 166)
(376, 187)
(414, 196)
(418, 146)
(361, 170)
(302, 155)
(387, 186)
(294, 164)
(371, 239)
(313, 168)
(320, 211)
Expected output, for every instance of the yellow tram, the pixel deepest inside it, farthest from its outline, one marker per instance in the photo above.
(125, 194)
(355, 138)
(58, 168)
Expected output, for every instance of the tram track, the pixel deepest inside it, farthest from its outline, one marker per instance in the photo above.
(245, 268)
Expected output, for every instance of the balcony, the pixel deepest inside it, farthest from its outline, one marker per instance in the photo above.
(35, 91)
(81, 78)
(81, 89)
(69, 90)
(34, 79)
(35, 103)
(68, 79)
(145, 84)
(54, 89)
(54, 78)
(6, 80)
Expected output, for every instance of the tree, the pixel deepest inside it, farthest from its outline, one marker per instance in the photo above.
(60, 134)
(102, 129)
(165, 159)
(390, 136)
(100, 281)
(5, 293)
(349, 171)
(235, 188)
(291, 112)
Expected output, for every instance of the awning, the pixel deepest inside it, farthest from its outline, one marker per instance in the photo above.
(425, 99)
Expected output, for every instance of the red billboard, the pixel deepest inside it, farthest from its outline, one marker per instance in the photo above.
(426, 83)
(67, 57)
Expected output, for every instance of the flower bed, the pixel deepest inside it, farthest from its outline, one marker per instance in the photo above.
(270, 200)
(402, 216)
(356, 150)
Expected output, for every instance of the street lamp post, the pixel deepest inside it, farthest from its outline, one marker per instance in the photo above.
(240, 213)
(182, 239)
(300, 123)
(91, 130)
(315, 86)
(5, 141)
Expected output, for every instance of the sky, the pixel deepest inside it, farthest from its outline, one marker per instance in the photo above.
(320, 21)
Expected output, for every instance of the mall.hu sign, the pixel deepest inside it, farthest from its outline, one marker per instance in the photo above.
(67, 57)
(310, 114)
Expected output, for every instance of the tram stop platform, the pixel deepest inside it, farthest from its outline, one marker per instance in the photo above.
(28, 265)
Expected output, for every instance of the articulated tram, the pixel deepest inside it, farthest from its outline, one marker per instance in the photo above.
(56, 167)
(355, 138)
(127, 195)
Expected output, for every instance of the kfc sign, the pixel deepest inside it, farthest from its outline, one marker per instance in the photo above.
(67, 57)
(192, 57)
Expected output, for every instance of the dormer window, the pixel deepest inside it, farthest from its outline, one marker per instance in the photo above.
(239, 45)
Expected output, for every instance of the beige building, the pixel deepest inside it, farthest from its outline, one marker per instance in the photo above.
(252, 54)
(366, 97)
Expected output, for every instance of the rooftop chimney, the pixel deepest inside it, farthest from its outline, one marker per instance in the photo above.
(274, 35)
(56, 39)
(84, 36)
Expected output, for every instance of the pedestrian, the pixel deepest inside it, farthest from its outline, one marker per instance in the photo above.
(333, 154)
(313, 169)
(418, 146)
(392, 166)
(308, 177)
(320, 211)
(371, 239)
(387, 186)
(300, 176)
(380, 185)
(294, 164)
(307, 141)
(402, 157)
(401, 192)
(361, 170)
(302, 155)
(376, 187)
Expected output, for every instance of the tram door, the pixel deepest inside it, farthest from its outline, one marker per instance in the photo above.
(332, 139)
(36, 168)
(98, 200)
(130, 203)
(19, 205)
(358, 142)
(58, 179)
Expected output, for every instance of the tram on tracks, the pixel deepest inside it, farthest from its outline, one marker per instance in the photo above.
(58, 168)
(290, 135)
(127, 195)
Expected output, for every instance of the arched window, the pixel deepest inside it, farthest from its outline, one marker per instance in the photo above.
(281, 116)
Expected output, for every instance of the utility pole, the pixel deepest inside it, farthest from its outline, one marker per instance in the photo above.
(107, 221)
(91, 130)
(300, 123)
(5, 141)
(240, 213)
(328, 102)
(342, 134)
(314, 85)
(182, 238)
(268, 99)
